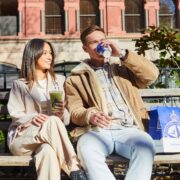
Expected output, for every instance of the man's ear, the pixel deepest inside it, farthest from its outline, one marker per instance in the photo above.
(85, 48)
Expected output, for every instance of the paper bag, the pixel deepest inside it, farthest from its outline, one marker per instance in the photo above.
(164, 128)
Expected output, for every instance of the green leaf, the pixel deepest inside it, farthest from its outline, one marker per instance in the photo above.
(2, 138)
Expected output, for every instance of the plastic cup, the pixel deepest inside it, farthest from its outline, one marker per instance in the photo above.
(55, 97)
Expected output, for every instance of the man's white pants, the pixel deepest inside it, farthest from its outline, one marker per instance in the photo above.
(136, 145)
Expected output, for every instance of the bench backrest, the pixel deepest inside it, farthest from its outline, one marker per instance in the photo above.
(151, 97)
(160, 97)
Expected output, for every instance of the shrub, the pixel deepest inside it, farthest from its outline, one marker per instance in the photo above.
(165, 41)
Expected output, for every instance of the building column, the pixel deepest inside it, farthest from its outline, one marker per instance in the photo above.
(101, 18)
(42, 18)
(178, 23)
(78, 20)
(31, 18)
(102, 9)
(178, 15)
(157, 18)
(66, 21)
(123, 20)
(111, 9)
(71, 16)
(20, 9)
(20, 24)
(43, 25)
(151, 10)
(147, 18)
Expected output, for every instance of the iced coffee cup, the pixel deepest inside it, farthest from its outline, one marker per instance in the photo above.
(55, 97)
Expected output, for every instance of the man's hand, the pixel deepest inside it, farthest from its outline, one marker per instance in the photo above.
(100, 119)
(115, 49)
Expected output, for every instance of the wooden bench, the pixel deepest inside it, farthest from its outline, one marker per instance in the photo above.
(163, 163)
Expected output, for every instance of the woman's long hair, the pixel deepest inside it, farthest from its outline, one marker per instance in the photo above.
(32, 52)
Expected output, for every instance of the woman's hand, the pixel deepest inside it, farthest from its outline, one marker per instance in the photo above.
(39, 119)
(59, 109)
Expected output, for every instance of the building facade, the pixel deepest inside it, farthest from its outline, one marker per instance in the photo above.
(61, 21)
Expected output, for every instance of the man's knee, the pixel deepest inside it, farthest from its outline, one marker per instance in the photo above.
(83, 147)
(144, 141)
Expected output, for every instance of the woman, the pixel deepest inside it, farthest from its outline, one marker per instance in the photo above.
(35, 129)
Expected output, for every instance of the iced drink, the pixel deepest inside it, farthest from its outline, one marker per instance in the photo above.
(55, 97)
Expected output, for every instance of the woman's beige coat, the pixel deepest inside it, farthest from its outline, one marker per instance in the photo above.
(85, 95)
(23, 105)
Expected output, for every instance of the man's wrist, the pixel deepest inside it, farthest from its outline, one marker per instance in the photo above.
(123, 54)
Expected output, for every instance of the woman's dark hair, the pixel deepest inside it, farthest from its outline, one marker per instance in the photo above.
(32, 52)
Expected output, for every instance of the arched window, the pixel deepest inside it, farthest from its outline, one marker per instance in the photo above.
(89, 13)
(8, 17)
(54, 17)
(134, 16)
(168, 14)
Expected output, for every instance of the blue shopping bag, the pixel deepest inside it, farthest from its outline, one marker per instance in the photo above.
(164, 128)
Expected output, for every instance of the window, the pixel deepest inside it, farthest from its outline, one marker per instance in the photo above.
(8, 73)
(134, 16)
(54, 17)
(8, 17)
(89, 13)
(168, 14)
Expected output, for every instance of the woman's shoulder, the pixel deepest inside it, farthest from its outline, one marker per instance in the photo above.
(19, 82)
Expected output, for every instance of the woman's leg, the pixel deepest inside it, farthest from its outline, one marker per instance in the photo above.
(52, 132)
(47, 166)
(55, 134)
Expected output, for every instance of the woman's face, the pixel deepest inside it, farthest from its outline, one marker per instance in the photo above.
(44, 62)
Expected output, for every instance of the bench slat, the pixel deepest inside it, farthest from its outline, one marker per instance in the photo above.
(163, 92)
(167, 159)
(170, 92)
(9, 160)
(149, 105)
(159, 159)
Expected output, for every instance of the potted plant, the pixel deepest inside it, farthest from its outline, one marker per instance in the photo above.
(164, 42)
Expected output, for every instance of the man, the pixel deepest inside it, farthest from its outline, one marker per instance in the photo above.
(103, 100)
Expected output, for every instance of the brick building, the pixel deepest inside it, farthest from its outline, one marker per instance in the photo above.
(61, 21)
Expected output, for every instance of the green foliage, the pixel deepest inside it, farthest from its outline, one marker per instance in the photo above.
(2, 138)
(164, 40)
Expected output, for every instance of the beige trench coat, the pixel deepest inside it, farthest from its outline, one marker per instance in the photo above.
(24, 104)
